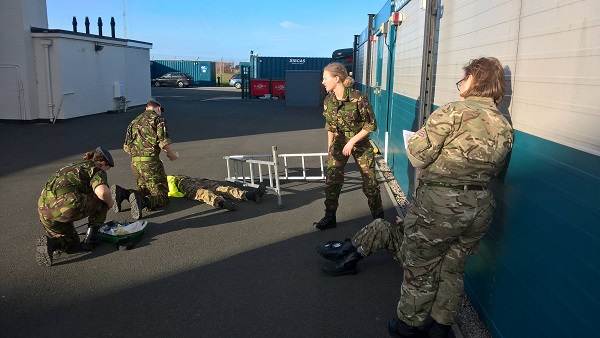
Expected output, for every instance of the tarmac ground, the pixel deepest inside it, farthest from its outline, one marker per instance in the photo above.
(198, 271)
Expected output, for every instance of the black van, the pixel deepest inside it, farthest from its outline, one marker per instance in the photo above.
(344, 56)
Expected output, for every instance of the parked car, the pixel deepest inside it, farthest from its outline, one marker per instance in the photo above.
(236, 81)
(174, 79)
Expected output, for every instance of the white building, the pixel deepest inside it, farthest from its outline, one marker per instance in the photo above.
(49, 74)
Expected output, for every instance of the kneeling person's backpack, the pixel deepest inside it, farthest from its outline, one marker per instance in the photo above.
(125, 235)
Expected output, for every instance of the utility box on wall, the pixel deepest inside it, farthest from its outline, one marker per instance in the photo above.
(303, 88)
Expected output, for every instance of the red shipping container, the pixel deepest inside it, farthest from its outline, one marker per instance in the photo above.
(278, 88)
(259, 87)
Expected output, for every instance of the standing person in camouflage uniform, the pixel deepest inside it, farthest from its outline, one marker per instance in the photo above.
(74, 192)
(146, 135)
(349, 119)
(212, 192)
(461, 147)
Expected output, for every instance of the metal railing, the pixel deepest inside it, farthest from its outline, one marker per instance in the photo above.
(251, 170)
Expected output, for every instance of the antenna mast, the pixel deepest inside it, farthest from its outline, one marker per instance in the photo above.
(125, 19)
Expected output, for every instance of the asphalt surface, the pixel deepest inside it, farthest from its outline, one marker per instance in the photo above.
(199, 271)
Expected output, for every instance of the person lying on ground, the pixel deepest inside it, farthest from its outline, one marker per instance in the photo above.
(203, 190)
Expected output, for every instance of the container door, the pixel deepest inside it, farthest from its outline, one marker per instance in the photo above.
(378, 101)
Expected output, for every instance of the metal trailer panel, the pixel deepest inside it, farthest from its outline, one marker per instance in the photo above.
(268, 67)
(469, 31)
(405, 100)
(361, 57)
(203, 72)
(547, 201)
(303, 88)
(551, 58)
(408, 54)
(557, 75)
(542, 245)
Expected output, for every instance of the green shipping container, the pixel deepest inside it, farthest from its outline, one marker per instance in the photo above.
(269, 67)
(203, 72)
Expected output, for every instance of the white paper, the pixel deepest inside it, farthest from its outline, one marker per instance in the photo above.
(120, 229)
(406, 134)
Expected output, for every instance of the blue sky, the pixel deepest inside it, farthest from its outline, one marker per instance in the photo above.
(227, 29)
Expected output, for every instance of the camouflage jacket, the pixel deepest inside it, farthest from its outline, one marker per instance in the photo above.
(462, 142)
(349, 115)
(146, 135)
(84, 176)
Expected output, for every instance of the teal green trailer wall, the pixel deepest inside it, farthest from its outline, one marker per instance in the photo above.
(541, 252)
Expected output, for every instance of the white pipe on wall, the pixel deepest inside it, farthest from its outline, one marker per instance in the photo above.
(385, 148)
(47, 43)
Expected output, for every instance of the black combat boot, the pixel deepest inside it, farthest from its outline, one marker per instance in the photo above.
(118, 195)
(138, 203)
(257, 194)
(45, 250)
(334, 250)
(438, 330)
(398, 328)
(377, 215)
(343, 266)
(225, 204)
(328, 221)
(91, 238)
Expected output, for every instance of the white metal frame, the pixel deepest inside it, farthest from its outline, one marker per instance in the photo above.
(243, 169)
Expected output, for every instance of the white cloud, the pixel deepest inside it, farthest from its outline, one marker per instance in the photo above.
(289, 25)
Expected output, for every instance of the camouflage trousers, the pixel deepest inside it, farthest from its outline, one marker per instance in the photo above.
(365, 159)
(443, 226)
(208, 191)
(57, 214)
(379, 234)
(151, 180)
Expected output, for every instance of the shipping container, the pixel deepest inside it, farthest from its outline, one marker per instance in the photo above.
(203, 72)
(269, 67)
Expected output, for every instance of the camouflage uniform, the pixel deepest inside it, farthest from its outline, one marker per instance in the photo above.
(146, 135)
(345, 118)
(69, 196)
(379, 234)
(462, 146)
(207, 191)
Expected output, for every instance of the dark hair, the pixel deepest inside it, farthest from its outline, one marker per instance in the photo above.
(488, 78)
(95, 156)
(338, 69)
(153, 104)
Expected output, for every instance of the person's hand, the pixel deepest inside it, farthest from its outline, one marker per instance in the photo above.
(348, 148)
(399, 220)
(173, 156)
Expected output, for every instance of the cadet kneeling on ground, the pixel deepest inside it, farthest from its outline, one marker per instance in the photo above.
(74, 192)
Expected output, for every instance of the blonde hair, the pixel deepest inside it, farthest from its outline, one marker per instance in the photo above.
(338, 69)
